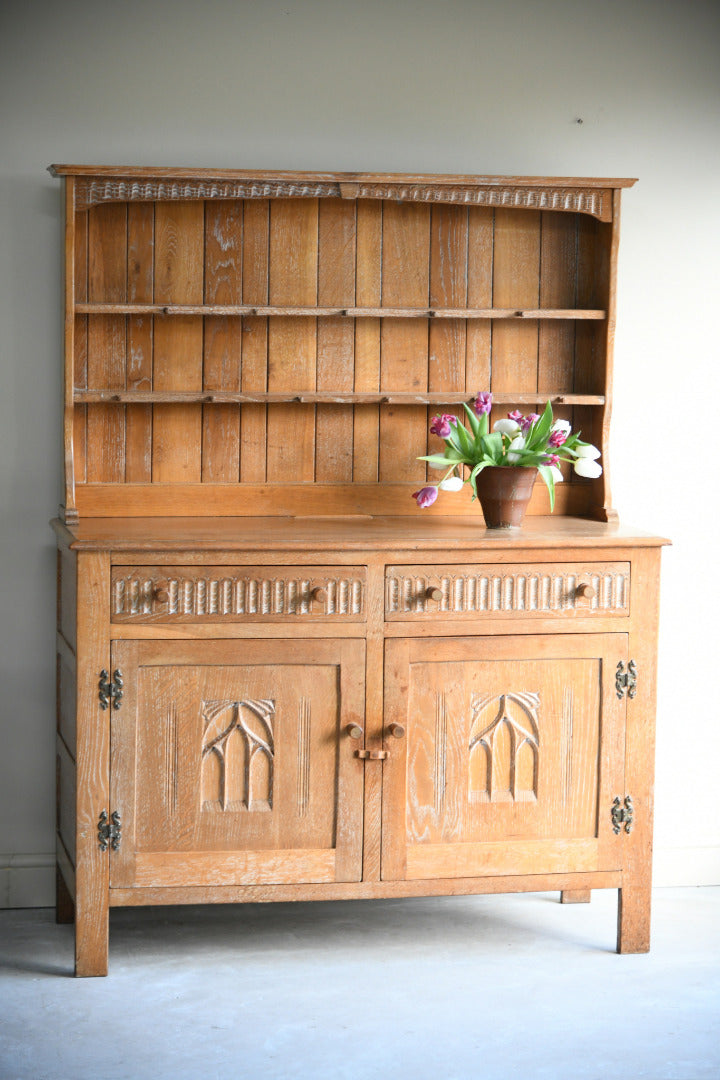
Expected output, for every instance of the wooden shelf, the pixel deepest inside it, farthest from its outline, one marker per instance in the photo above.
(310, 397)
(342, 312)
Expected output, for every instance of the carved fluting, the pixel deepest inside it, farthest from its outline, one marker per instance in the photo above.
(238, 754)
(532, 592)
(441, 731)
(171, 758)
(566, 725)
(504, 747)
(90, 192)
(196, 597)
(303, 763)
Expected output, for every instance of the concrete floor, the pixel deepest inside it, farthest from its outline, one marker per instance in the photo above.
(430, 989)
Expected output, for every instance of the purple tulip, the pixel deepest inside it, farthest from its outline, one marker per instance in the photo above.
(527, 422)
(425, 496)
(557, 438)
(483, 402)
(551, 459)
(441, 425)
(515, 415)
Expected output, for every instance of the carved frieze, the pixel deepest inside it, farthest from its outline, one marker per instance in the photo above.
(91, 191)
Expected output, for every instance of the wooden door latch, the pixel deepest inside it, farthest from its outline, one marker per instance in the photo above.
(371, 755)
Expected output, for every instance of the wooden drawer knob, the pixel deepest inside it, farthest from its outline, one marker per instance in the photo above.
(585, 591)
(319, 594)
(354, 731)
(396, 730)
(433, 593)
(158, 594)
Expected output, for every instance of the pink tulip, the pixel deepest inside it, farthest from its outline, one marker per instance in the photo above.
(441, 425)
(425, 496)
(527, 421)
(557, 438)
(552, 459)
(515, 415)
(483, 402)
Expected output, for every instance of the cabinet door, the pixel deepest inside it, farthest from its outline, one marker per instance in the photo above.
(512, 754)
(230, 764)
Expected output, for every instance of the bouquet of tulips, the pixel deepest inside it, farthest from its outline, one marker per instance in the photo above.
(532, 440)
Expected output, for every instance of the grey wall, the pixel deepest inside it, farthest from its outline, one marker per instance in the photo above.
(448, 86)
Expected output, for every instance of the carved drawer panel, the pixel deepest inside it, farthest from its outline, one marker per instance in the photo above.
(502, 590)
(233, 594)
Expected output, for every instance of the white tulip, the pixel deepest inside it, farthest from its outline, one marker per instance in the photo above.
(506, 427)
(562, 425)
(453, 483)
(588, 451)
(517, 444)
(556, 474)
(587, 467)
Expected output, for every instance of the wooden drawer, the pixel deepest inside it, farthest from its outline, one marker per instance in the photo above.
(501, 590)
(150, 594)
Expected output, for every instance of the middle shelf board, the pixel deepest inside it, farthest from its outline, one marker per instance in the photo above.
(224, 397)
(341, 312)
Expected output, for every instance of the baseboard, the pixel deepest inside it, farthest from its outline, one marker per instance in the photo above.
(29, 880)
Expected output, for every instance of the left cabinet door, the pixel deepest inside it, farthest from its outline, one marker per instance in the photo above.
(231, 764)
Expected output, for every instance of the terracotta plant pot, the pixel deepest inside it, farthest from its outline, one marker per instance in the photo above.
(504, 493)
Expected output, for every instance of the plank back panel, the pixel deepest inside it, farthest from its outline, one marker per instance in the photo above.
(222, 345)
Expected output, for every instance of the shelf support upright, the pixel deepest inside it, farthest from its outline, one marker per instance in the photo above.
(69, 510)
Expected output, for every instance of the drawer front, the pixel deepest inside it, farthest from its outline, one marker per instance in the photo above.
(160, 594)
(502, 590)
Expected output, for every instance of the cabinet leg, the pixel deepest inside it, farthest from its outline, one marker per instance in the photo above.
(92, 928)
(64, 905)
(634, 904)
(575, 896)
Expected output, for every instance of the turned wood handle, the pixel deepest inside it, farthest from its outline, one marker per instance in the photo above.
(585, 591)
(396, 730)
(318, 593)
(159, 594)
(354, 731)
(433, 593)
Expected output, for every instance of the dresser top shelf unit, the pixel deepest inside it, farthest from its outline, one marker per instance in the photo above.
(236, 338)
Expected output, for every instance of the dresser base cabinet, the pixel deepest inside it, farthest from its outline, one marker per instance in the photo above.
(446, 718)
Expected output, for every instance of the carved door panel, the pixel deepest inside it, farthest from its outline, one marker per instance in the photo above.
(513, 752)
(230, 764)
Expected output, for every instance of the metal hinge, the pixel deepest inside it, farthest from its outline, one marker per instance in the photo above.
(109, 830)
(622, 814)
(626, 681)
(110, 691)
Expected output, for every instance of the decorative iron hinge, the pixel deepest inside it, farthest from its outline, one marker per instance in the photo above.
(622, 814)
(626, 681)
(109, 830)
(110, 691)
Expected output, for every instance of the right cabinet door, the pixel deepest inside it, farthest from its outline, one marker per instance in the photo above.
(512, 753)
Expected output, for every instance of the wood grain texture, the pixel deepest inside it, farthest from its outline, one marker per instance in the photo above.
(140, 289)
(335, 339)
(404, 345)
(222, 344)
(177, 430)
(292, 342)
(106, 344)
(516, 266)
